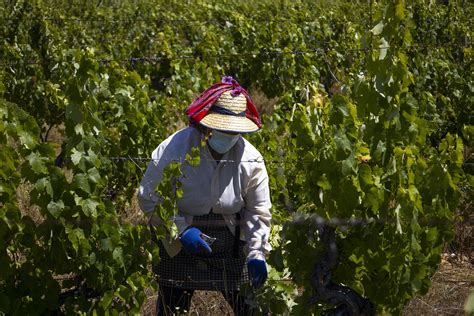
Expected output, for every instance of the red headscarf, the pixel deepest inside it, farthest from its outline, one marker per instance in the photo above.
(201, 106)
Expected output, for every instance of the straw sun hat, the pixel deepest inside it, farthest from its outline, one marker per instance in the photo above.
(228, 115)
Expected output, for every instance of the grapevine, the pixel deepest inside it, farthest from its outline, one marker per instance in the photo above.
(374, 105)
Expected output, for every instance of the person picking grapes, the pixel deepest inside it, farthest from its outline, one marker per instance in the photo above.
(223, 216)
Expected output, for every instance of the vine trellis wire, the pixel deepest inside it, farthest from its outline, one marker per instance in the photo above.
(267, 53)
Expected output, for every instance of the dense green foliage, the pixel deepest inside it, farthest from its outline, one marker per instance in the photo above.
(374, 105)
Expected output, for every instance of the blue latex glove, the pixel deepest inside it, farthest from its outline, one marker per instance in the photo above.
(257, 272)
(192, 241)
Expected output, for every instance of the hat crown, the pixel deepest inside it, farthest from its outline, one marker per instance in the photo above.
(229, 114)
(237, 104)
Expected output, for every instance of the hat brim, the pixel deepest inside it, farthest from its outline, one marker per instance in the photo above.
(229, 123)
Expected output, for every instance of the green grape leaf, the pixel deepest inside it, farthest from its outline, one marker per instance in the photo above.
(106, 244)
(76, 156)
(81, 181)
(55, 208)
(106, 300)
(76, 237)
(37, 163)
(377, 29)
(27, 139)
(117, 254)
(73, 113)
(89, 206)
(44, 184)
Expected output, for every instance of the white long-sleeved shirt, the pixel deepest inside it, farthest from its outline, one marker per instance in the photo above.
(238, 183)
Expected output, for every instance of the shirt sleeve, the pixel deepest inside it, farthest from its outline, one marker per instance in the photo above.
(257, 216)
(147, 197)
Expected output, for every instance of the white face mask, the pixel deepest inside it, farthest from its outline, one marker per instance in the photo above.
(222, 142)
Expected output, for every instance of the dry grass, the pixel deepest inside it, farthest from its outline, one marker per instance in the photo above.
(451, 286)
(132, 214)
(203, 303)
(24, 203)
(264, 104)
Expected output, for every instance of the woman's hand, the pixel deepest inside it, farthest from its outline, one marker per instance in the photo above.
(192, 241)
(257, 272)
